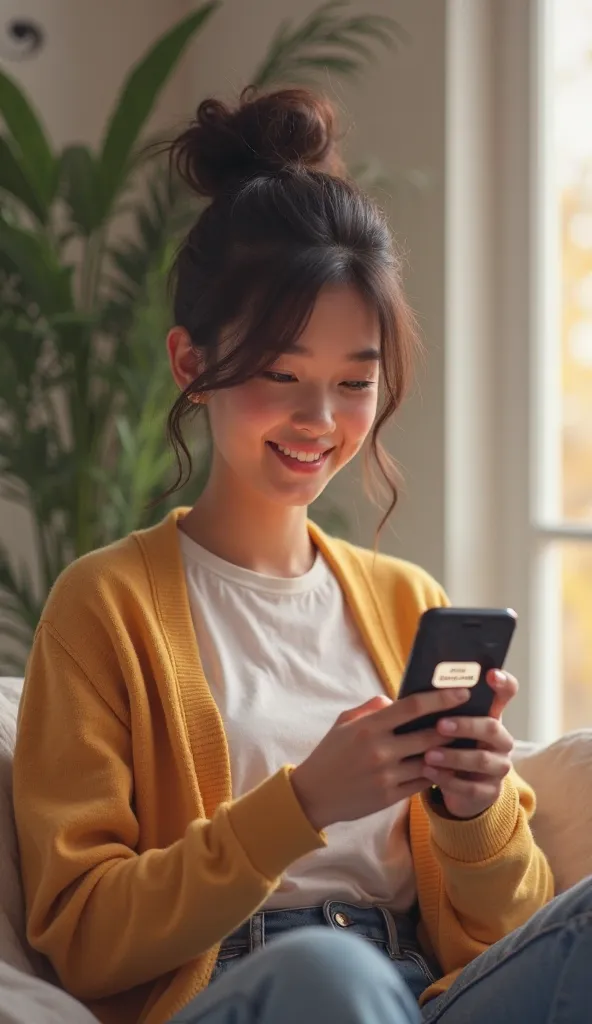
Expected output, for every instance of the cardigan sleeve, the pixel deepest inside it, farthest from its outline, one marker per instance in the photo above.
(109, 916)
(479, 879)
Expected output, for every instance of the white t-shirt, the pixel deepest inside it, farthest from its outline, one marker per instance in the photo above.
(283, 658)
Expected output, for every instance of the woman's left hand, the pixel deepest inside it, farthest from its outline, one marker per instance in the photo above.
(471, 780)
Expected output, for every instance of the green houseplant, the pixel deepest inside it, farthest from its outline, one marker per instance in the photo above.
(84, 383)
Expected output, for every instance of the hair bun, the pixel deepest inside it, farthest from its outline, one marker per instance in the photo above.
(267, 133)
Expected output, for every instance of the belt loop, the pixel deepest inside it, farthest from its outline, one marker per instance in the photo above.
(327, 908)
(257, 930)
(393, 946)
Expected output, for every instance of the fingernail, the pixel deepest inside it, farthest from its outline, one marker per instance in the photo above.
(447, 725)
(499, 678)
(434, 757)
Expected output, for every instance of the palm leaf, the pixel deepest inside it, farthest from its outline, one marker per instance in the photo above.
(17, 595)
(37, 160)
(47, 281)
(143, 465)
(21, 345)
(79, 180)
(163, 215)
(137, 98)
(327, 40)
(14, 181)
(70, 332)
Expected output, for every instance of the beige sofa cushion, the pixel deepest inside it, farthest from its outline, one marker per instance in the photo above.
(561, 776)
(13, 949)
(27, 1000)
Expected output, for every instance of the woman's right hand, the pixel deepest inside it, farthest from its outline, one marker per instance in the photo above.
(360, 767)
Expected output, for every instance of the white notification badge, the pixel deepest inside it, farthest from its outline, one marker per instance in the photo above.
(456, 673)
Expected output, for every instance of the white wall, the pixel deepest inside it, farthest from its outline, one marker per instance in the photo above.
(88, 49)
(398, 114)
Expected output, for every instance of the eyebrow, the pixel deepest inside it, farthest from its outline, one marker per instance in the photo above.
(366, 355)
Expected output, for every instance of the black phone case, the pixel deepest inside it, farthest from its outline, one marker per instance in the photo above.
(457, 635)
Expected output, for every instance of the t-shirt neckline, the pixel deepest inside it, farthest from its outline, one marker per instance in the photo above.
(195, 554)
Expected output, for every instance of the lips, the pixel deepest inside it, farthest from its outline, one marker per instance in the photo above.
(305, 458)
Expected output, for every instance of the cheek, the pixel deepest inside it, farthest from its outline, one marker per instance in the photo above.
(359, 417)
(240, 412)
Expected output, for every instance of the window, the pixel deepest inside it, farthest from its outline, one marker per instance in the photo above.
(518, 368)
(562, 361)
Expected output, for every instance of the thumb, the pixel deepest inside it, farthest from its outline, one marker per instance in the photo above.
(505, 687)
(374, 704)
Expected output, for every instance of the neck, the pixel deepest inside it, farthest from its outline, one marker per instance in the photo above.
(243, 528)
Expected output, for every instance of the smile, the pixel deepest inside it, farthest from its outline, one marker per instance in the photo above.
(299, 460)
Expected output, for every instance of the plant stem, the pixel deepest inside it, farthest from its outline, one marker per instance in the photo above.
(87, 440)
(85, 273)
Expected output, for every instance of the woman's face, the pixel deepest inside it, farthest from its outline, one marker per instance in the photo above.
(288, 431)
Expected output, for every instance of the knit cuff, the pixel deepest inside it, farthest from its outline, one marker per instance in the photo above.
(478, 838)
(271, 826)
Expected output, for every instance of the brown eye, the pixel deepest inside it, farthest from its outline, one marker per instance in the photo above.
(279, 378)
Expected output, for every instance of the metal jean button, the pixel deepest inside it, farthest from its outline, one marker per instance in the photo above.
(343, 920)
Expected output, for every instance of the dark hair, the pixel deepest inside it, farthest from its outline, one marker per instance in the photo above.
(283, 223)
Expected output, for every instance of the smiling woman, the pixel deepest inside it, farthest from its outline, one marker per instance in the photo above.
(295, 268)
(209, 736)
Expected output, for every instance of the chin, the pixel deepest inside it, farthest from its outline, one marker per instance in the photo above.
(292, 497)
(297, 500)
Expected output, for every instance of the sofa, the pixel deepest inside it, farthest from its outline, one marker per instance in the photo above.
(561, 775)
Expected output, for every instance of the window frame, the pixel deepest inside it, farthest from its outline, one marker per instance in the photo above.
(502, 357)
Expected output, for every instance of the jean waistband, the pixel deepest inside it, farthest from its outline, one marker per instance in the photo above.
(397, 932)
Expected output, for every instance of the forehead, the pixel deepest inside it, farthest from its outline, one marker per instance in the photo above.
(342, 324)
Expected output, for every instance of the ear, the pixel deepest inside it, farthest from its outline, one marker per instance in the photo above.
(183, 357)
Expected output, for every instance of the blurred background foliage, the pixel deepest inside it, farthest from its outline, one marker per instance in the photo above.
(86, 240)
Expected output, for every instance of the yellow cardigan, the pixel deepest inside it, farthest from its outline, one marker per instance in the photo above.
(136, 860)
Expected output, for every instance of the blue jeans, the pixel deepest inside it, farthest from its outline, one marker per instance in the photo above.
(310, 975)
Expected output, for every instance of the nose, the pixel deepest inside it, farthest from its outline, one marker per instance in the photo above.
(314, 412)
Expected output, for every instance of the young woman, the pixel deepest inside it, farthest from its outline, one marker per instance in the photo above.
(216, 821)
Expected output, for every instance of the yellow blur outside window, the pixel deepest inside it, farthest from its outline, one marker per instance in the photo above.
(572, 144)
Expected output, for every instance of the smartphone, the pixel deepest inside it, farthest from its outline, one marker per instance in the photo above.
(456, 647)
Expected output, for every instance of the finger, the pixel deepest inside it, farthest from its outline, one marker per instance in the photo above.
(371, 706)
(488, 732)
(412, 744)
(412, 768)
(401, 780)
(407, 709)
(505, 688)
(487, 789)
(479, 762)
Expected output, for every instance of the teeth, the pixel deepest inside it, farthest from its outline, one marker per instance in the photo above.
(301, 456)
